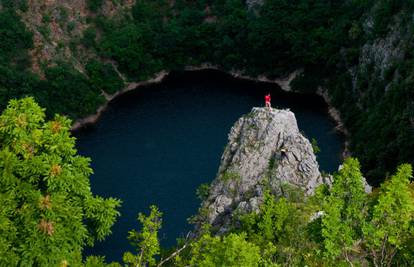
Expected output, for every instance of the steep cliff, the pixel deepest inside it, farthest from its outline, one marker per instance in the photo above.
(266, 151)
(373, 90)
(63, 30)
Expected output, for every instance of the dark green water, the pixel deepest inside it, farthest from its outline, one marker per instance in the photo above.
(156, 145)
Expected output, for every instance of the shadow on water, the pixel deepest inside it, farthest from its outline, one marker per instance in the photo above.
(157, 144)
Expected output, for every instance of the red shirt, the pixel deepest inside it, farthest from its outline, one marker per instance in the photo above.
(267, 98)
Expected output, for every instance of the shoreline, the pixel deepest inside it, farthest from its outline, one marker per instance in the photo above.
(336, 116)
(93, 118)
(283, 83)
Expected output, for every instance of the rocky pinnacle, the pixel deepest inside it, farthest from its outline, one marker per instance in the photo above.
(265, 151)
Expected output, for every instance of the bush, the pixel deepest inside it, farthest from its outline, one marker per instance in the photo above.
(94, 5)
(104, 77)
(89, 36)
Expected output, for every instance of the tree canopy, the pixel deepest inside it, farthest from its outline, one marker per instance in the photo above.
(48, 212)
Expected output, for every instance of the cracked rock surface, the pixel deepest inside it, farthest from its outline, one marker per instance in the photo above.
(265, 150)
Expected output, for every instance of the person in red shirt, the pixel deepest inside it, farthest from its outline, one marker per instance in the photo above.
(267, 100)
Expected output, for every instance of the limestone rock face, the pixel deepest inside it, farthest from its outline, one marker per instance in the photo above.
(265, 150)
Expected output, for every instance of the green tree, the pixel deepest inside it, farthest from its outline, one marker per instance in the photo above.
(343, 211)
(391, 225)
(15, 40)
(129, 45)
(203, 191)
(146, 240)
(230, 250)
(94, 5)
(104, 76)
(67, 91)
(281, 231)
(315, 147)
(94, 261)
(89, 37)
(48, 212)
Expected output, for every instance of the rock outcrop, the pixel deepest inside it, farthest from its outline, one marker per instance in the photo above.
(265, 150)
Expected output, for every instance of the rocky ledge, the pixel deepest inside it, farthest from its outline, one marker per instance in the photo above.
(265, 151)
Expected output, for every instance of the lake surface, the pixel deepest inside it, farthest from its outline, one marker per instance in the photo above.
(157, 144)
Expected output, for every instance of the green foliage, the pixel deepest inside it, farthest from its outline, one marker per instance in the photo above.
(391, 114)
(89, 36)
(93, 261)
(306, 82)
(338, 226)
(390, 226)
(63, 14)
(384, 12)
(315, 146)
(47, 18)
(15, 40)
(231, 250)
(281, 231)
(274, 215)
(48, 212)
(15, 83)
(203, 191)
(229, 176)
(15, 4)
(146, 240)
(343, 211)
(69, 92)
(378, 111)
(45, 31)
(104, 76)
(71, 26)
(127, 45)
(94, 5)
(355, 31)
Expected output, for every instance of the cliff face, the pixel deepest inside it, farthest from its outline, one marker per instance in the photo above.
(265, 151)
(375, 96)
(377, 63)
(58, 27)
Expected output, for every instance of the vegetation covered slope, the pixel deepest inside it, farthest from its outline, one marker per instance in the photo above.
(65, 53)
